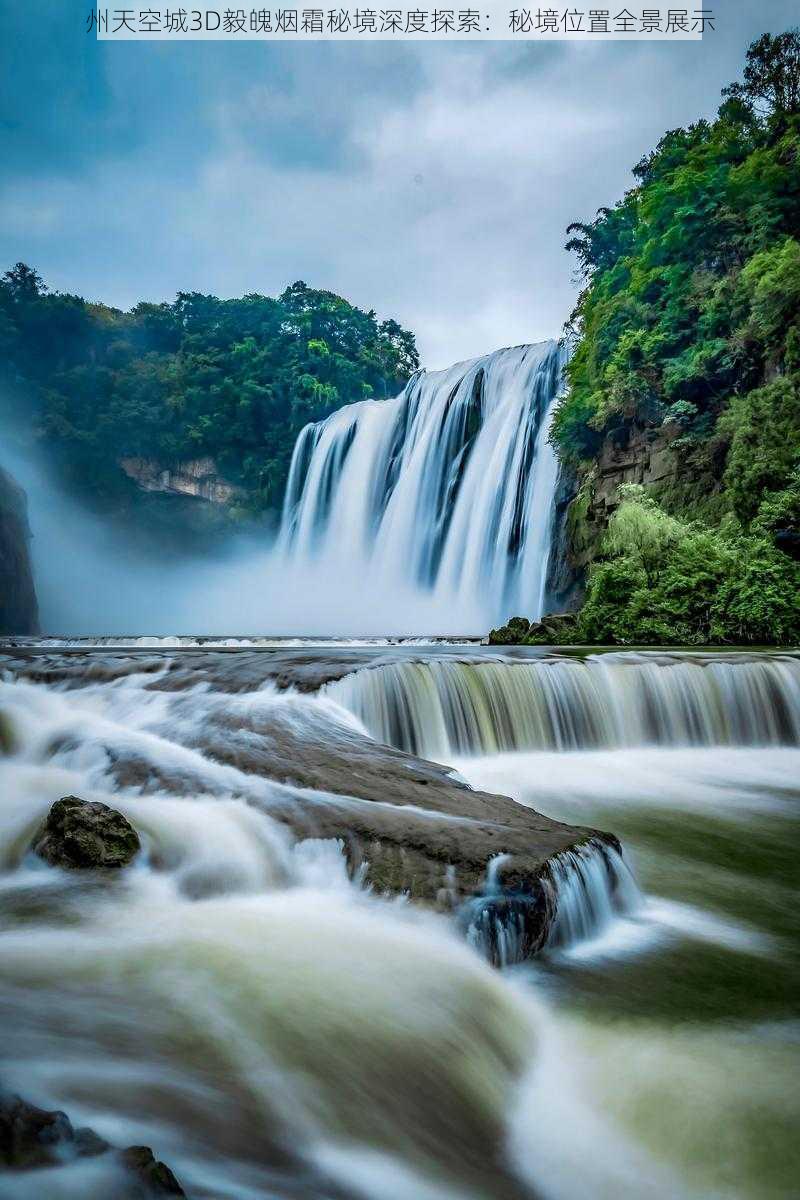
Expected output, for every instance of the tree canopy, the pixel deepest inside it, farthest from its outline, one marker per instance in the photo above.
(689, 321)
(233, 379)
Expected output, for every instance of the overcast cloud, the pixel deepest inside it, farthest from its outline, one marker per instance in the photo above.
(432, 183)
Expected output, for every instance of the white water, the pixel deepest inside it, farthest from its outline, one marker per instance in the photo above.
(444, 706)
(432, 511)
(273, 1030)
(234, 999)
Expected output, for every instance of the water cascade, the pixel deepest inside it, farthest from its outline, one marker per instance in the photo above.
(444, 706)
(588, 889)
(437, 506)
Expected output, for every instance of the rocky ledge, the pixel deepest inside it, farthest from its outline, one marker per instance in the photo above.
(32, 1138)
(407, 825)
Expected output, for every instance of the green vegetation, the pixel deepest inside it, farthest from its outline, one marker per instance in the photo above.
(232, 379)
(690, 320)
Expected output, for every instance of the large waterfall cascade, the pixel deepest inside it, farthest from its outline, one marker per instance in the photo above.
(436, 506)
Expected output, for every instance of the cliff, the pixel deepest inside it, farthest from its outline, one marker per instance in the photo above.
(18, 608)
(636, 453)
(197, 477)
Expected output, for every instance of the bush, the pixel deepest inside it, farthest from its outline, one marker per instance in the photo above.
(667, 581)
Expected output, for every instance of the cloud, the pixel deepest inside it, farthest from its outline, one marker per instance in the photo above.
(433, 183)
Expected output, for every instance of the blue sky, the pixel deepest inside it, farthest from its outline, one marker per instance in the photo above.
(430, 182)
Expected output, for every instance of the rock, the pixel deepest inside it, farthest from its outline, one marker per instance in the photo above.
(8, 740)
(32, 1137)
(407, 826)
(79, 834)
(19, 611)
(520, 632)
(156, 1176)
(512, 634)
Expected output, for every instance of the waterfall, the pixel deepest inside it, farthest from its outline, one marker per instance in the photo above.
(436, 506)
(443, 706)
(593, 888)
(587, 889)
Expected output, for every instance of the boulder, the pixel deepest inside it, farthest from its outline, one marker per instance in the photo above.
(155, 1176)
(33, 1137)
(512, 634)
(82, 834)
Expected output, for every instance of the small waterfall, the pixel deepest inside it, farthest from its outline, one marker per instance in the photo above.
(445, 493)
(586, 890)
(443, 706)
(593, 887)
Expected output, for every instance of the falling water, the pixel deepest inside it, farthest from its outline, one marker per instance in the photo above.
(446, 707)
(585, 892)
(593, 886)
(446, 490)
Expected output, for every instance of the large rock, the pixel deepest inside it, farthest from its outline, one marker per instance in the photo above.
(19, 612)
(81, 834)
(33, 1137)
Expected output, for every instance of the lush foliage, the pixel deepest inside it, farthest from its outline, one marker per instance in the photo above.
(664, 580)
(233, 379)
(689, 320)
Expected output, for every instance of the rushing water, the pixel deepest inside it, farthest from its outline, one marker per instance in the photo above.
(446, 706)
(273, 1029)
(441, 498)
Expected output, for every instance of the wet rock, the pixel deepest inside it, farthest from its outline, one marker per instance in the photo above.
(18, 607)
(407, 826)
(32, 1138)
(512, 634)
(8, 741)
(521, 632)
(155, 1176)
(79, 834)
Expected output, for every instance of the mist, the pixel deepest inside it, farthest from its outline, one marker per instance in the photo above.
(88, 581)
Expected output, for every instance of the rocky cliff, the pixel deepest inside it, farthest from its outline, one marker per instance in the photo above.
(636, 453)
(18, 608)
(197, 477)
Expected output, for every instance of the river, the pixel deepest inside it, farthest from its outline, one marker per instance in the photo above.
(243, 1001)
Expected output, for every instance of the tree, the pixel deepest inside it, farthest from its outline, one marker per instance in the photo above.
(23, 283)
(771, 83)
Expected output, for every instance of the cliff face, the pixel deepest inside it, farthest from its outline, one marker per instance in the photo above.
(19, 611)
(197, 477)
(633, 454)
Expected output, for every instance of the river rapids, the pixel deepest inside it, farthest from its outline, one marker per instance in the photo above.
(246, 1000)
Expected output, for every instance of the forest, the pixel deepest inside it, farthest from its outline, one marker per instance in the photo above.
(235, 380)
(689, 321)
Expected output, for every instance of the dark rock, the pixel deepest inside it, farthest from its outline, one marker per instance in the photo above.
(79, 834)
(19, 611)
(8, 740)
(32, 1137)
(512, 634)
(520, 632)
(156, 1177)
(565, 578)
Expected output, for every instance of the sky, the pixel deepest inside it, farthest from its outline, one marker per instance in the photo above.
(432, 183)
